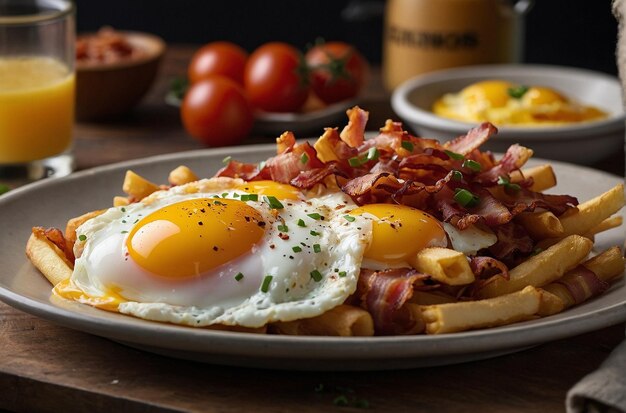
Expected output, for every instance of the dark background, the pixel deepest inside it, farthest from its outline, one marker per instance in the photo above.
(579, 33)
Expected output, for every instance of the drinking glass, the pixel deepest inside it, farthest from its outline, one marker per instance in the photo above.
(37, 40)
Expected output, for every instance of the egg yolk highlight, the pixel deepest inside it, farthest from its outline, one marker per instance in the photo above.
(489, 93)
(400, 232)
(193, 236)
(280, 191)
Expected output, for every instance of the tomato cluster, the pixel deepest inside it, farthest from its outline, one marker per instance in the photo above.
(228, 85)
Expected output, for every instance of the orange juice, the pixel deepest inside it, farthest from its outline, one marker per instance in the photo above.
(36, 108)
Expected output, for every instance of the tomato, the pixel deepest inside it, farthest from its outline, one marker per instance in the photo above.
(337, 71)
(218, 58)
(275, 78)
(216, 112)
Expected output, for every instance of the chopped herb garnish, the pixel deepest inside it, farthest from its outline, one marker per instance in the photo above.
(124, 232)
(301, 223)
(224, 194)
(283, 228)
(372, 154)
(342, 273)
(457, 175)
(355, 162)
(349, 218)
(517, 92)
(454, 155)
(4, 189)
(273, 202)
(304, 158)
(315, 216)
(316, 275)
(407, 145)
(123, 209)
(465, 198)
(82, 237)
(316, 248)
(265, 287)
(471, 164)
(504, 181)
(249, 197)
(227, 159)
(296, 249)
(238, 277)
(314, 233)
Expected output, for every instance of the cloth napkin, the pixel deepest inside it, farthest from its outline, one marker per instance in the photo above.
(604, 390)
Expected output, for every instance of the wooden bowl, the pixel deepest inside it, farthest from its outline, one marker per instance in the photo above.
(106, 90)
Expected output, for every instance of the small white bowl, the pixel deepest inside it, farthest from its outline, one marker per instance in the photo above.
(584, 143)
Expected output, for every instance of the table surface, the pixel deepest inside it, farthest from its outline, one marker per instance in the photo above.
(47, 368)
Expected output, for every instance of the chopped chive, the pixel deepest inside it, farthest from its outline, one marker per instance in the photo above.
(355, 162)
(273, 202)
(465, 198)
(123, 209)
(304, 158)
(457, 175)
(517, 92)
(407, 145)
(217, 203)
(471, 164)
(236, 195)
(504, 181)
(349, 218)
(316, 248)
(454, 155)
(283, 228)
(238, 277)
(124, 232)
(82, 237)
(342, 273)
(314, 233)
(301, 223)
(316, 275)
(123, 221)
(227, 159)
(296, 249)
(249, 197)
(224, 194)
(372, 154)
(315, 216)
(265, 287)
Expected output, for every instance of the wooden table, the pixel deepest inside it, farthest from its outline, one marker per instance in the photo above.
(47, 368)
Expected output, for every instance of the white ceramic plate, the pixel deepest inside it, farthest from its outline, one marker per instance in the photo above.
(583, 143)
(52, 202)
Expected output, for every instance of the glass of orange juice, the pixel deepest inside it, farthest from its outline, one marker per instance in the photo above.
(37, 40)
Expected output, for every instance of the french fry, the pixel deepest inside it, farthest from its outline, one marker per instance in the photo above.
(137, 186)
(543, 177)
(541, 225)
(609, 223)
(343, 320)
(541, 269)
(468, 315)
(591, 213)
(181, 175)
(445, 265)
(47, 258)
(73, 223)
(120, 201)
(574, 288)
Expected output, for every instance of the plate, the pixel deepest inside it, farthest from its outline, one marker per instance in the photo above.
(51, 202)
(310, 122)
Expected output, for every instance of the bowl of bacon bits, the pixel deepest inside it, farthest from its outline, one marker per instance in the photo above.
(114, 71)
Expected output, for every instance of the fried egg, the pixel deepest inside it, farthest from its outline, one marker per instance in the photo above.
(220, 252)
(506, 103)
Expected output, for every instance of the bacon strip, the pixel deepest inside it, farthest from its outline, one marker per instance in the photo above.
(582, 284)
(384, 293)
(465, 144)
(354, 132)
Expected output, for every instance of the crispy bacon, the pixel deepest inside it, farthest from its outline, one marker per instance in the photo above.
(354, 132)
(308, 179)
(56, 236)
(513, 241)
(582, 283)
(465, 144)
(384, 293)
(486, 267)
(236, 169)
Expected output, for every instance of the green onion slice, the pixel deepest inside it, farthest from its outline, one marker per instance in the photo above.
(465, 198)
(273, 202)
(454, 155)
(265, 287)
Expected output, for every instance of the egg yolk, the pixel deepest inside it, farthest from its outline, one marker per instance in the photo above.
(400, 232)
(489, 93)
(280, 191)
(193, 236)
(536, 96)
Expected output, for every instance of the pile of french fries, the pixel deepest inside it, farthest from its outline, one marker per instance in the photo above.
(537, 287)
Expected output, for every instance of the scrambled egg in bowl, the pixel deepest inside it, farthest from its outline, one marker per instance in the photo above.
(507, 103)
